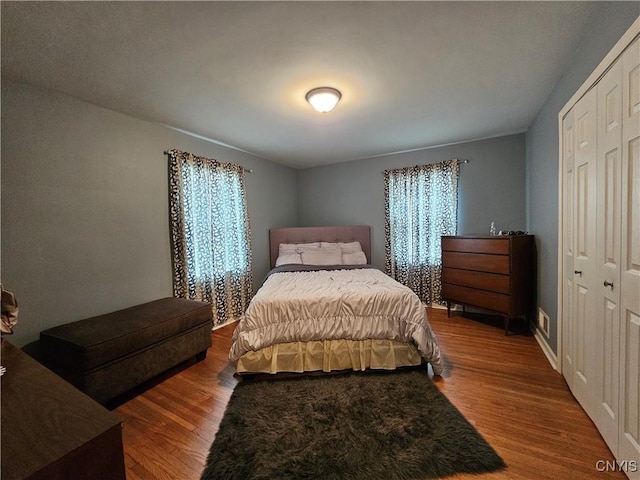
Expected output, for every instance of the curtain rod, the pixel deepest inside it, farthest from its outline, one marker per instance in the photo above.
(459, 160)
(248, 170)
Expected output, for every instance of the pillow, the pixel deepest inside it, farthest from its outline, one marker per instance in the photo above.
(355, 258)
(346, 247)
(322, 256)
(288, 258)
(351, 247)
(290, 248)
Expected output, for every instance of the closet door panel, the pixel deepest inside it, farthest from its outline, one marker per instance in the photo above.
(608, 219)
(629, 443)
(630, 425)
(585, 258)
(568, 206)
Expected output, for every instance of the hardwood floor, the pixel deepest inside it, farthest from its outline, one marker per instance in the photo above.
(503, 385)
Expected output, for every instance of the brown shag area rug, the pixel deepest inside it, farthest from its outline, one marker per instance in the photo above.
(372, 425)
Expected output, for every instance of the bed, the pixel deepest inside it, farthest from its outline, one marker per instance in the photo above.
(324, 307)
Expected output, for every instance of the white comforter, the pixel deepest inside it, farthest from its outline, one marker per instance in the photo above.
(336, 304)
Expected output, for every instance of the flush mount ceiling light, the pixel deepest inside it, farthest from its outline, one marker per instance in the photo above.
(323, 99)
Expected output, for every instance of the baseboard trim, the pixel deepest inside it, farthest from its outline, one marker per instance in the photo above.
(546, 349)
(437, 306)
(228, 322)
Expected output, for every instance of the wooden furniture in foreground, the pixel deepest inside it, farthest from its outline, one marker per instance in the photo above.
(491, 273)
(51, 430)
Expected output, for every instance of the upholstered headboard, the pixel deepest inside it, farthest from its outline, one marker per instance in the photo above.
(360, 233)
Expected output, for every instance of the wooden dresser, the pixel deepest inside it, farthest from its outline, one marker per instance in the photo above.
(491, 273)
(51, 430)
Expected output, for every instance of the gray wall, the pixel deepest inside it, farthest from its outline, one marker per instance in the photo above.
(491, 188)
(612, 20)
(85, 223)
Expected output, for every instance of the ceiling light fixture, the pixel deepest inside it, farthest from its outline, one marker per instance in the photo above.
(323, 99)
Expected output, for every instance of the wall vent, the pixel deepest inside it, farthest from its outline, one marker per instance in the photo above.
(543, 322)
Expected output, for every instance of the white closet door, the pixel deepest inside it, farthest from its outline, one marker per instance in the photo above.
(629, 443)
(584, 261)
(607, 348)
(600, 201)
(568, 205)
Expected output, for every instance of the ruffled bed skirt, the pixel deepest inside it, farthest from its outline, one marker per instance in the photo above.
(328, 355)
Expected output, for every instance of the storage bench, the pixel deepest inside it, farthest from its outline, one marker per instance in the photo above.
(108, 355)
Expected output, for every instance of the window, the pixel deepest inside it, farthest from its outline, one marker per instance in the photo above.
(210, 236)
(421, 205)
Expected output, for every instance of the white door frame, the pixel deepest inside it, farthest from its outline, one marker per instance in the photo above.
(603, 66)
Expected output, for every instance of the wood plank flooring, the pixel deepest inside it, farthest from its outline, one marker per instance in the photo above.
(503, 385)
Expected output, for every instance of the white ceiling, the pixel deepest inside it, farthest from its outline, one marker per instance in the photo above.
(412, 74)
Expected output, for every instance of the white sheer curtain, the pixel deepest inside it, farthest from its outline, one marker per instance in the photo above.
(210, 235)
(421, 205)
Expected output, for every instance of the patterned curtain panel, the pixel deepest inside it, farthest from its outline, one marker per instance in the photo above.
(210, 236)
(421, 204)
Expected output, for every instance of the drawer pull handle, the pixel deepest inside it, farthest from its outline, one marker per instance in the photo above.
(578, 272)
(608, 284)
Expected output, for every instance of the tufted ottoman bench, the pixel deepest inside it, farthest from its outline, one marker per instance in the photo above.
(110, 354)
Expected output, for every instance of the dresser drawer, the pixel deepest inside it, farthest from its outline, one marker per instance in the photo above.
(468, 278)
(477, 261)
(496, 302)
(476, 245)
